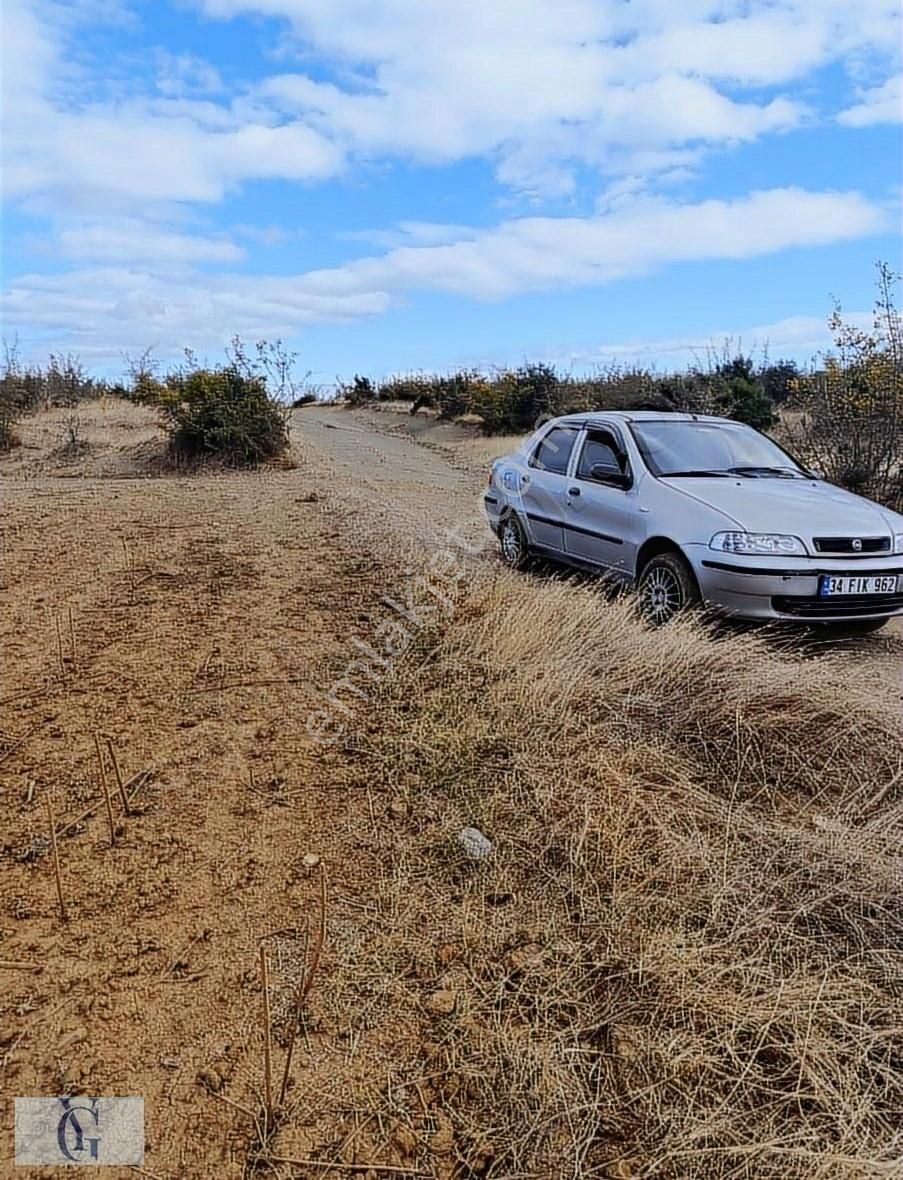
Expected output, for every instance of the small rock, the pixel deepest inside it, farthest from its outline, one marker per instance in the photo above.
(310, 860)
(211, 1079)
(442, 1003)
(170, 1062)
(72, 1038)
(475, 844)
(398, 809)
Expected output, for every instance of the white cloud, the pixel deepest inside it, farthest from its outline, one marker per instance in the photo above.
(542, 253)
(801, 336)
(112, 308)
(131, 240)
(183, 73)
(626, 90)
(543, 86)
(103, 311)
(169, 148)
(879, 104)
(537, 88)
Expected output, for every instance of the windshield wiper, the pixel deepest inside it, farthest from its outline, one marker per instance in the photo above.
(779, 472)
(718, 474)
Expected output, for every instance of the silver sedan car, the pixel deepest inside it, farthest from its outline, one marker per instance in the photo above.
(696, 509)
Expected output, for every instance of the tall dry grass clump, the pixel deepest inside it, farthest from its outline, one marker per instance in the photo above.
(684, 956)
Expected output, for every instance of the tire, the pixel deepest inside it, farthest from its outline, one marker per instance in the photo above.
(666, 587)
(513, 542)
(855, 627)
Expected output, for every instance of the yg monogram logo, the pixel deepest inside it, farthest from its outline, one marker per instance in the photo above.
(69, 1133)
(80, 1130)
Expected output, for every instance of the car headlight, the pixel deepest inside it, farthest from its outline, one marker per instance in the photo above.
(775, 544)
(898, 542)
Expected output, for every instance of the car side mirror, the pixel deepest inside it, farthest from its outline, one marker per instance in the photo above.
(612, 476)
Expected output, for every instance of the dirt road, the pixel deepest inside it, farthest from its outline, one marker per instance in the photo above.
(195, 622)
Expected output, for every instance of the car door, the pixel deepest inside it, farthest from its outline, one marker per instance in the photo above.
(600, 509)
(543, 484)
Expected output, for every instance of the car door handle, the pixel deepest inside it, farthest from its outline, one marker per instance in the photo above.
(573, 491)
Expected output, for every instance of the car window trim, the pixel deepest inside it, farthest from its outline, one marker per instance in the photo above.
(588, 429)
(572, 428)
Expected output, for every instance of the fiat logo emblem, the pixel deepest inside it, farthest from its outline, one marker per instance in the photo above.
(857, 545)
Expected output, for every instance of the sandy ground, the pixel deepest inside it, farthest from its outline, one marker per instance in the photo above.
(210, 613)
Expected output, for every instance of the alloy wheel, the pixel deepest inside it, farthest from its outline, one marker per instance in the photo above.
(661, 595)
(512, 545)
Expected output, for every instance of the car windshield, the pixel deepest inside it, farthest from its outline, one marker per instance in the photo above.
(719, 449)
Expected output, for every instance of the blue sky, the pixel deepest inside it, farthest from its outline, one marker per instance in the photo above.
(415, 184)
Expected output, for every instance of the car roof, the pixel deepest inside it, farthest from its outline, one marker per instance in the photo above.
(592, 417)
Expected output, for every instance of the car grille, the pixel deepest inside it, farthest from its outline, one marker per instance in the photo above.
(847, 605)
(846, 545)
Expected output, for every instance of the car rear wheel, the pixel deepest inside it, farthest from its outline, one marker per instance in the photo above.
(666, 587)
(513, 542)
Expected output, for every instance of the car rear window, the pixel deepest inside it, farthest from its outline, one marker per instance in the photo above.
(554, 451)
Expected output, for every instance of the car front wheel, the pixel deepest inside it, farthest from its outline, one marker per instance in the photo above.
(513, 542)
(666, 587)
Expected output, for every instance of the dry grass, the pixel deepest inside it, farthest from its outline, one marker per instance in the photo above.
(481, 451)
(683, 958)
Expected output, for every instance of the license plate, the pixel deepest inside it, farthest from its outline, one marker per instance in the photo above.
(829, 585)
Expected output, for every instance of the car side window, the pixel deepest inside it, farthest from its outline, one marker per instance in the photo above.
(554, 450)
(599, 447)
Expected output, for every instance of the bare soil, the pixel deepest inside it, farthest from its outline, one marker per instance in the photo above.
(210, 613)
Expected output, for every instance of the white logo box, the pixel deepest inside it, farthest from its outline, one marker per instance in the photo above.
(79, 1131)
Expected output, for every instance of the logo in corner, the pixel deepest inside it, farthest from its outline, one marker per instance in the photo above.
(77, 1129)
(70, 1131)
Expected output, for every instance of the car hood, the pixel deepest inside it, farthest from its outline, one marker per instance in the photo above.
(803, 508)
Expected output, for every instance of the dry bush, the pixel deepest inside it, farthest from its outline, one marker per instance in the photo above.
(849, 413)
(61, 382)
(683, 958)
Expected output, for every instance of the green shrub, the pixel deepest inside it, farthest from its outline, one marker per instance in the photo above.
(223, 412)
(413, 387)
(516, 400)
(359, 392)
(454, 395)
(780, 380)
(848, 414)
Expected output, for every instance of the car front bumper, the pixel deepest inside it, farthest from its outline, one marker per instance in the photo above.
(787, 588)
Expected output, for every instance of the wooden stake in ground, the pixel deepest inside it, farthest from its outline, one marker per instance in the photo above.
(59, 645)
(120, 785)
(48, 802)
(106, 789)
(267, 1044)
(72, 644)
(305, 985)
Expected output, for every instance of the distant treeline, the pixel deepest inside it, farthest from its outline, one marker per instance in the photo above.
(513, 400)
